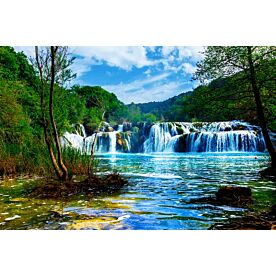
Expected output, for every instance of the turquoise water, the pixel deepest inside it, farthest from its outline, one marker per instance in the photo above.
(160, 194)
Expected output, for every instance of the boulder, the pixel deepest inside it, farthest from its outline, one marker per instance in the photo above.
(269, 172)
(251, 221)
(233, 195)
(181, 145)
(127, 126)
(180, 130)
(240, 127)
(109, 129)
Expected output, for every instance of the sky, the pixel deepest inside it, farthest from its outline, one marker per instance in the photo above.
(136, 74)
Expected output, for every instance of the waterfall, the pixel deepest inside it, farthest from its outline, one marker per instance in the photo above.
(73, 140)
(234, 136)
(113, 138)
(240, 140)
(171, 145)
(120, 128)
(159, 137)
(112, 141)
(205, 137)
(128, 144)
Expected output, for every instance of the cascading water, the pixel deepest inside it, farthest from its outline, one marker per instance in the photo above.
(172, 144)
(106, 141)
(204, 137)
(171, 137)
(128, 144)
(113, 138)
(112, 141)
(80, 130)
(120, 128)
(159, 136)
(240, 140)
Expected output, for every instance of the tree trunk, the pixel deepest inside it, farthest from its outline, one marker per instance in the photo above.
(44, 120)
(51, 152)
(260, 110)
(56, 137)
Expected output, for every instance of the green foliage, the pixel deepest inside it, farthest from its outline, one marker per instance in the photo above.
(14, 123)
(222, 100)
(98, 105)
(22, 146)
(226, 92)
(161, 110)
(134, 113)
(234, 63)
(226, 96)
(149, 118)
(15, 66)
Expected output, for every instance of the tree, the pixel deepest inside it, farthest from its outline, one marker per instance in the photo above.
(97, 101)
(53, 65)
(252, 62)
(134, 113)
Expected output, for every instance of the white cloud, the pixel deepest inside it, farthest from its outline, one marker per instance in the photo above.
(174, 58)
(181, 58)
(167, 50)
(174, 62)
(136, 85)
(183, 52)
(156, 88)
(188, 68)
(151, 48)
(148, 72)
(82, 65)
(194, 53)
(124, 57)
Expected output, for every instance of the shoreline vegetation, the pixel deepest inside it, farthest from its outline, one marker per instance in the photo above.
(37, 108)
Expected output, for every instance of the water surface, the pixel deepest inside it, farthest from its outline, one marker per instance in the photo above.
(160, 194)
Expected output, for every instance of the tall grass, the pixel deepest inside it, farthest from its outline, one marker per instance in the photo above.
(76, 162)
(33, 158)
(29, 158)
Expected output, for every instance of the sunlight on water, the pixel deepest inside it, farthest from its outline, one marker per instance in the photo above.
(159, 195)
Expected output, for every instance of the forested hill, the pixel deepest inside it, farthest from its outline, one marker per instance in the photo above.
(223, 99)
(161, 109)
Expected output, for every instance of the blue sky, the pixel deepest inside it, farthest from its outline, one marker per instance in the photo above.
(135, 73)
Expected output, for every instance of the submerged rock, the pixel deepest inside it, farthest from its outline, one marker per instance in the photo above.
(232, 195)
(269, 172)
(252, 221)
(93, 185)
(246, 223)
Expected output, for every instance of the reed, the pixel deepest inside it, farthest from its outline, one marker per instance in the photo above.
(32, 158)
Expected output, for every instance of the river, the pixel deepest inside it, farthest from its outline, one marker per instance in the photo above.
(161, 194)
